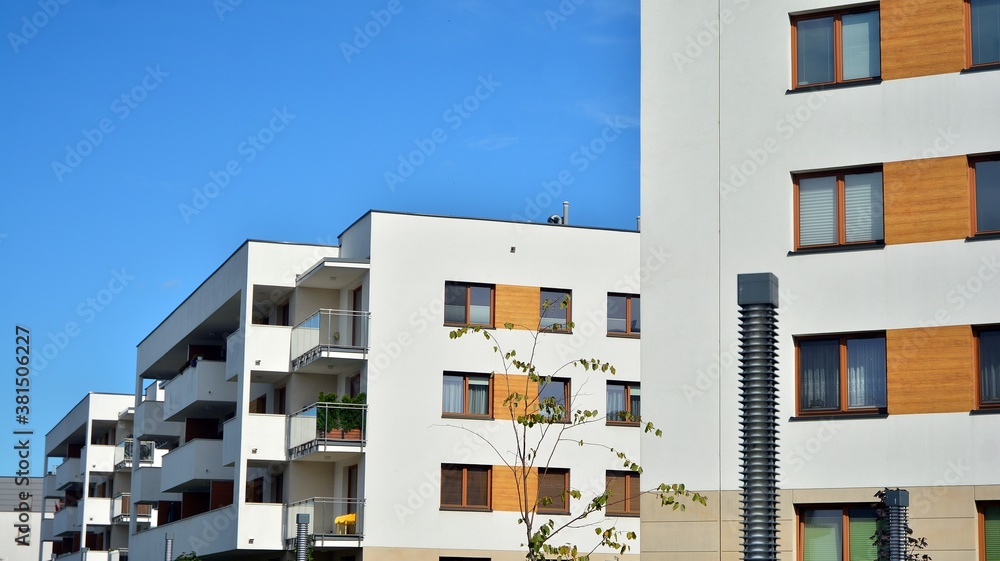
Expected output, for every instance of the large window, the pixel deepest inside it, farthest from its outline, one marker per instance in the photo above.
(554, 307)
(468, 304)
(465, 487)
(623, 403)
(624, 491)
(623, 314)
(835, 47)
(554, 399)
(984, 31)
(838, 208)
(553, 491)
(986, 179)
(837, 533)
(989, 529)
(989, 367)
(842, 374)
(466, 395)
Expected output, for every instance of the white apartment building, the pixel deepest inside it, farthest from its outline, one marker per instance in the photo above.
(21, 515)
(322, 380)
(90, 487)
(853, 150)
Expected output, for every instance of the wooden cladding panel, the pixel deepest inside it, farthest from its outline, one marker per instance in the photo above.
(926, 200)
(930, 370)
(506, 491)
(922, 37)
(519, 305)
(506, 384)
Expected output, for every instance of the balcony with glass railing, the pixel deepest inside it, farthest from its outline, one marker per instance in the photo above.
(122, 510)
(126, 452)
(332, 522)
(330, 341)
(332, 429)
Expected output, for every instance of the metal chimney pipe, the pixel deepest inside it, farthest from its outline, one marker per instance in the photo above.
(638, 223)
(897, 502)
(301, 536)
(758, 301)
(565, 212)
(168, 553)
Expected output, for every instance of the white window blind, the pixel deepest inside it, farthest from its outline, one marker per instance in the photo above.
(818, 211)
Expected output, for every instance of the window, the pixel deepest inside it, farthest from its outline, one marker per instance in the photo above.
(468, 304)
(984, 31)
(837, 533)
(989, 529)
(835, 47)
(838, 208)
(989, 367)
(845, 374)
(466, 395)
(986, 180)
(623, 403)
(553, 399)
(555, 310)
(553, 491)
(623, 314)
(465, 487)
(624, 491)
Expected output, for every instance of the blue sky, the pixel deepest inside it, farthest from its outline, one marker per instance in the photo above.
(146, 141)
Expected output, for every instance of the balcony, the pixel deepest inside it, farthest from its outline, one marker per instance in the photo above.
(193, 465)
(50, 488)
(66, 521)
(69, 473)
(332, 522)
(202, 385)
(47, 531)
(264, 347)
(100, 458)
(97, 511)
(263, 522)
(121, 508)
(189, 534)
(125, 452)
(263, 437)
(330, 341)
(146, 486)
(335, 430)
(150, 423)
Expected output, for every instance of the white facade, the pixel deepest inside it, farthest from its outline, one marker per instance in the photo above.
(724, 133)
(277, 324)
(21, 516)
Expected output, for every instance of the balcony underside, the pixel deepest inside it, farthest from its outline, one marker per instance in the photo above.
(330, 360)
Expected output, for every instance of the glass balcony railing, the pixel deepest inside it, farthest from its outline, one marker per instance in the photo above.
(126, 451)
(122, 508)
(328, 518)
(327, 423)
(330, 330)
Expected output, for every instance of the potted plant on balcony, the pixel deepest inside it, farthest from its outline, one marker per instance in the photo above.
(327, 418)
(352, 418)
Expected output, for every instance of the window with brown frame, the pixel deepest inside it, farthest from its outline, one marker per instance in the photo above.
(989, 530)
(554, 308)
(982, 20)
(624, 492)
(623, 315)
(466, 395)
(838, 208)
(988, 366)
(553, 491)
(554, 399)
(836, 532)
(623, 403)
(465, 487)
(984, 173)
(468, 304)
(841, 374)
(836, 47)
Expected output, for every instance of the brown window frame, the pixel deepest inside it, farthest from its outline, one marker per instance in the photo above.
(567, 395)
(630, 506)
(843, 409)
(967, 6)
(973, 160)
(628, 405)
(839, 173)
(628, 315)
(800, 524)
(465, 488)
(468, 303)
(977, 360)
(567, 326)
(465, 397)
(981, 507)
(838, 62)
(552, 509)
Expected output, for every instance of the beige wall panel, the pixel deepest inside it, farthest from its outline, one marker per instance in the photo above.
(987, 492)
(922, 37)
(519, 305)
(942, 502)
(653, 511)
(926, 200)
(930, 370)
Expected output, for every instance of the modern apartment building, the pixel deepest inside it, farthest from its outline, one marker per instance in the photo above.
(21, 516)
(90, 489)
(322, 380)
(853, 150)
